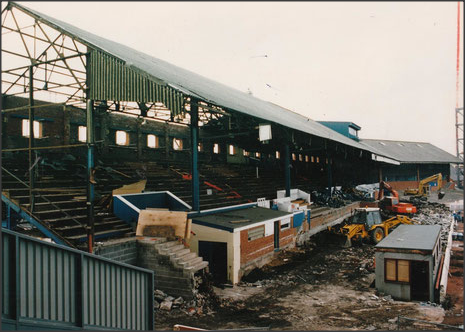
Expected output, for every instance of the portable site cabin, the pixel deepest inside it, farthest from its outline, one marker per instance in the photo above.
(235, 242)
(407, 262)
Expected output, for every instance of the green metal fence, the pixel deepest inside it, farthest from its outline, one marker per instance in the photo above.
(48, 286)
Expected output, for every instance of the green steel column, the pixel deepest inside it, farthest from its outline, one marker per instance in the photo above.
(287, 169)
(194, 154)
(31, 138)
(90, 169)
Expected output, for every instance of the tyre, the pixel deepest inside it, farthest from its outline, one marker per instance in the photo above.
(377, 235)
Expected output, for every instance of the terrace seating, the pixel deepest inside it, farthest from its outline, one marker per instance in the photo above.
(61, 188)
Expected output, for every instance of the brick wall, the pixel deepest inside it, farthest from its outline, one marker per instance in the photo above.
(258, 252)
(167, 277)
(251, 250)
(124, 250)
(402, 185)
(331, 215)
(141, 252)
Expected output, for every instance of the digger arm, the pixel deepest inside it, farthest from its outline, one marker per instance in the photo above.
(394, 221)
(425, 181)
(384, 185)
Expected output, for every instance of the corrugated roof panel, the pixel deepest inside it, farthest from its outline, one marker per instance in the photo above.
(196, 85)
(412, 237)
(410, 152)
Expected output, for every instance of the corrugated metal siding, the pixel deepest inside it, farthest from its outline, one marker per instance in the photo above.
(50, 279)
(111, 79)
(120, 296)
(6, 279)
(47, 282)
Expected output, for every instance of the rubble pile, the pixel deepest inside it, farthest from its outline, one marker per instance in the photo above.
(340, 197)
(204, 299)
(435, 214)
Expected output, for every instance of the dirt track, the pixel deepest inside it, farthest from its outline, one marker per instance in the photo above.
(322, 287)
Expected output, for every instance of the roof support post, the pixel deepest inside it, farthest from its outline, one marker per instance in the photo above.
(287, 169)
(90, 175)
(31, 137)
(329, 172)
(194, 154)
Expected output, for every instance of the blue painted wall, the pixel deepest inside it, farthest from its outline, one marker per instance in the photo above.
(341, 127)
(161, 200)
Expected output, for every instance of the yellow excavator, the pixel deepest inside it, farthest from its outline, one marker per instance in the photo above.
(423, 187)
(366, 223)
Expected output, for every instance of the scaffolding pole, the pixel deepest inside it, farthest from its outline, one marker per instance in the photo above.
(90, 180)
(194, 155)
(287, 170)
(31, 138)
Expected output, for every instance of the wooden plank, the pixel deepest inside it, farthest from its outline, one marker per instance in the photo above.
(187, 235)
(174, 219)
(133, 188)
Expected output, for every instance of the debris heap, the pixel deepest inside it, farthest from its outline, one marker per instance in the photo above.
(435, 214)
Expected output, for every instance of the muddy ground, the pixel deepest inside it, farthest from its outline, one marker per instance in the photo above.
(320, 287)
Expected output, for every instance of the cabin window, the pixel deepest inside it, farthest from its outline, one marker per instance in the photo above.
(278, 155)
(177, 144)
(82, 134)
(152, 141)
(294, 156)
(257, 154)
(352, 131)
(232, 150)
(122, 137)
(216, 148)
(256, 233)
(285, 224)
(397, 270)
(37, 127)
(200, 147)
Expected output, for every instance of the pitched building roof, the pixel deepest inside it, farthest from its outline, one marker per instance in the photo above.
(411, 152)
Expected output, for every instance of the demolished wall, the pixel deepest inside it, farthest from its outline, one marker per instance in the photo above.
(174, 269)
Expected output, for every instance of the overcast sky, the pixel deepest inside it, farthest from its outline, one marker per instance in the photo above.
(389, 67)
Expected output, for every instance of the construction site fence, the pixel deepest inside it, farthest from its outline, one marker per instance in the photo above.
(46, 286)
(406, 323)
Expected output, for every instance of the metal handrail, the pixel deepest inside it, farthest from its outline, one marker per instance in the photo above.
(46, 199)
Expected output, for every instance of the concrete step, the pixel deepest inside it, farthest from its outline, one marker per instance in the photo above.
(191, 262)
(197, 267)
(187, 257)
(170, 250)
(166, 245)
(179, 253)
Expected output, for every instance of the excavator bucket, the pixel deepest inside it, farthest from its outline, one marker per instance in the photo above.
(347, 243)
(441, 194)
